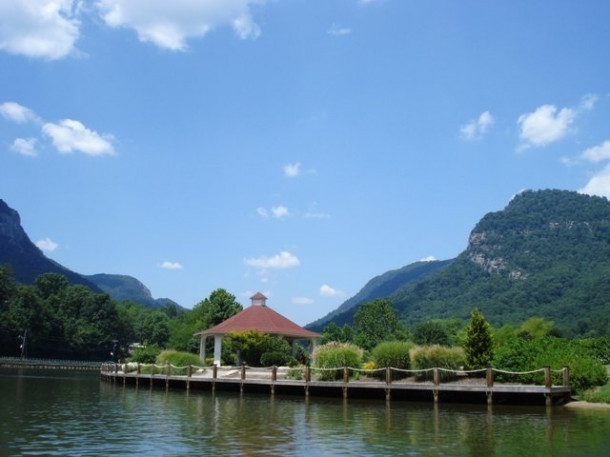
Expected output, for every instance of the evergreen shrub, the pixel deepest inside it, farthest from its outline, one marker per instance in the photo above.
(178, 358)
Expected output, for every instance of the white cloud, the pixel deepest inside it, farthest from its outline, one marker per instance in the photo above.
(45, 29)
(476, 128)
(429, 258)
(280, 261)
(167, 265)
(70, 136)
(17, 113)
(597, 153)
(588, 102)
(545, 125)
(292, 170)
(46, 245)
(302, 301)
(279, 211)
(327, 291)
(262, 211)
(169, 24)
(25, 147)
(337, 30)
(599, 184)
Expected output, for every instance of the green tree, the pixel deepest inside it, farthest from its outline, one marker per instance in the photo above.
(376, 321)
(155, 329)
(478, 345)
(248, 345)
(537, 327)
(431, 332)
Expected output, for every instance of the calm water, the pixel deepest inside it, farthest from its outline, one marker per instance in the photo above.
(74, 414)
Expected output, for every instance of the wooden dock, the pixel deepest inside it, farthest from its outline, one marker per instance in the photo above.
(471, 387)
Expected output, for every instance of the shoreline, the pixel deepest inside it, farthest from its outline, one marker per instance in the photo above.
(581, 404)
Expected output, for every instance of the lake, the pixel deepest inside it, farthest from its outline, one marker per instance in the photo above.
(71, 413)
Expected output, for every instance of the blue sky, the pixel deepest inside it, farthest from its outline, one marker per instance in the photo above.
(297, 148)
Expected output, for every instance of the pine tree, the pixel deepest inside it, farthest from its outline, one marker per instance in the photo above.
(478, 343)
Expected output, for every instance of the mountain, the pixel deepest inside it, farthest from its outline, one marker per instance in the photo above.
(380, 286)
(25, 259)
(28, 262)
(121, 287)
(546, 254)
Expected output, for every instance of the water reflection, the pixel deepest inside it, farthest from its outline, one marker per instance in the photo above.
(74, 414)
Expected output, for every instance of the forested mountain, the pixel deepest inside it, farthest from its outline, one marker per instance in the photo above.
(546, 254)
(380, 286)
(25, 259)
(122, 287)
(27, 262)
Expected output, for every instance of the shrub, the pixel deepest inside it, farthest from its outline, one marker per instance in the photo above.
(435, 356)
(336, 355)
(532, 354)
(178, 358)
(393, 354)
(478, 342)
(598, 394)
(277, 358)
(147, 354)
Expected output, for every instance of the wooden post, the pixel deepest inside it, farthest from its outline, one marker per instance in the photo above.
(307, 379)
(273, 378)
(547, 377)
(490, 377)
(189, 372)
(345, 381)
(436, 378)
(388, 381)
(566, 376)
(243, 378)
(214, 376)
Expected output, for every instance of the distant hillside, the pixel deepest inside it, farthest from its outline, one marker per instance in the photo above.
(27, 261)
(121, 287)
(380, 286)
(546, 254)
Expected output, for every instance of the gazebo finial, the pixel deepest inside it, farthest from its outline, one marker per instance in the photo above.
(258, 299)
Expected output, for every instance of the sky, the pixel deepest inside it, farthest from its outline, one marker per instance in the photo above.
(297, 148)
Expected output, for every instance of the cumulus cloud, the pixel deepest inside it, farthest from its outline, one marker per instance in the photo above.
(302, 301)
(599, 184)
(46, 29)
(476, 128)
(292, 170)
(429, 258)
(597, 153)
(47, 245)
(167, 265)
(545, 125)
(280, 261)
(17, 113)
(170, 24)
(25, 147)
(337, 30)
(327, 291)
(72, 136)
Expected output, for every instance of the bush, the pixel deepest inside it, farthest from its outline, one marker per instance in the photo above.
(276, 358)
(532, 354)
(147, 354)
(598, 394)
(393, 354)
(435, 356)
(336, 355)
(178, 358)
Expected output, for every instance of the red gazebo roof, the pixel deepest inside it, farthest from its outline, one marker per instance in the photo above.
(261, 318)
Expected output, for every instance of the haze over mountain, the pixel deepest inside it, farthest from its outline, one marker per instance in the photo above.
(546, 254)
(28, 262)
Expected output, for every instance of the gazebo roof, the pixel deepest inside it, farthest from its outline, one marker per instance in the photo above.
(261, 318)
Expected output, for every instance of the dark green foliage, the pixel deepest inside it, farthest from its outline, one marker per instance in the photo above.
(375, 322)
(332, 332)
(146, 354)
(478, 345)
(522, 355)
(431, 332)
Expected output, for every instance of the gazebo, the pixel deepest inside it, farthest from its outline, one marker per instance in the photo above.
(258, 316)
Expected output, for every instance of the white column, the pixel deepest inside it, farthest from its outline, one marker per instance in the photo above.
(202, 348)
(217, 349)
